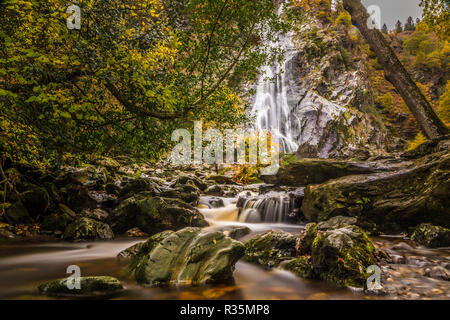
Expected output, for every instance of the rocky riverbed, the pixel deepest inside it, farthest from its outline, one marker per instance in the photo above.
(320, 220)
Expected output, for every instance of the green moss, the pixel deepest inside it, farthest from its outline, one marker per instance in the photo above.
(89, 287)
(270, 248)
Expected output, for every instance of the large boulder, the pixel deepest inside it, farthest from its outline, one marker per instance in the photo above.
(313, 171)
(342, 256)
(99, 286)
(187, 192)
(188, 256)
(186, 179)
(154, 214)
(59, 220)
(431, 236)
(270, 248)
(35, 199)
(135, 186)
(335, 251)
(388, 201)
(87, 229)
(17, 213)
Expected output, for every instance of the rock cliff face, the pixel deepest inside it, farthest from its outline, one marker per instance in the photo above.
(328, 93)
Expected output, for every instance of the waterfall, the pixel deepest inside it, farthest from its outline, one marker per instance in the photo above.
(271, 207)
(270, 103)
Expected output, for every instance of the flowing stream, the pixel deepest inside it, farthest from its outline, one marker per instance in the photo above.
(24, 265)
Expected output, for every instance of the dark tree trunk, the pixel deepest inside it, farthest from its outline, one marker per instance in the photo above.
(395, 73)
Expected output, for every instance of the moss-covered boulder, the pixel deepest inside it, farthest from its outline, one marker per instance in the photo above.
(6, 235)
(87, 229)
(220, 179)
(431, 236)
(17, 213)
(136, 186)
(391, 202)
(188, 256)
(130, 252)
(185, 179)
(312, 171)
(36, 199)
(270, 248)
(59, 220)
(99, 286)
(300, 266)
(342, 256)
(96, 214)
(187, 192)
(154, 214)
(306, 238)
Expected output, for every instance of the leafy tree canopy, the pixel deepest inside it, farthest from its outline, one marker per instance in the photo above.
(133, 72)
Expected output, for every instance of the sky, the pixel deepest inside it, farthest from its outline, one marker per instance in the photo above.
(394, 10)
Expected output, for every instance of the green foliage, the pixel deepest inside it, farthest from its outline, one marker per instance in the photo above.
(418, 140)
(344, 18)
(135, 71)
(398, 27)
(387, 100)
(444, 105)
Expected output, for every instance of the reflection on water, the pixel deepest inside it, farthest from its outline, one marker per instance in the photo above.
(24, 266)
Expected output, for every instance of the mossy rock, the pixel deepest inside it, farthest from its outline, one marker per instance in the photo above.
(342, 256)
(431, 236)
(6, 236)
(190, 180)
(130, 252)
(188, 256)
(154, 214)
(188, 193)
(136, 186)
(312, 171)
(389, 202)
(220, 179)
(87, 229)
(300, 266)
(59, 220)
(36, 199)
(270, 248)
(17, 213)
(98, 286)
(306, 238)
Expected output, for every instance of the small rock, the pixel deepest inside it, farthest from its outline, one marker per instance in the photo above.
(99, 286)
(438, 273)
(136, 233)
(87, 229)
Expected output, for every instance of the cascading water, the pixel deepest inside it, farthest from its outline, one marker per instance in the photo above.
(272, 207)
(270, 103)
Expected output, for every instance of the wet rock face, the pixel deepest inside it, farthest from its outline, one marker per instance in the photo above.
(100, 286)
(87, 229)
(431, 236)
(328, 97)
(270, 248)
(389, 202)
(188, 256)
(335, 251)
(154, 214)
(341, 256)
(313, 171)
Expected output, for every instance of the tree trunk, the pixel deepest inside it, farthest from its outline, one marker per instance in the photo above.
(395, 73)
